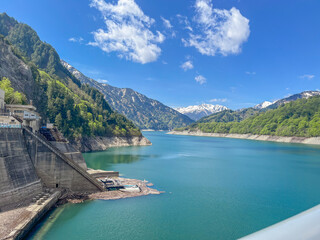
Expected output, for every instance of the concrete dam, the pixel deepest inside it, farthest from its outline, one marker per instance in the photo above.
(29, 164)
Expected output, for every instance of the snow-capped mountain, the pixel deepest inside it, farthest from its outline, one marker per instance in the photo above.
(199, 111)
(263, 105)
(305, 94)
(277, 103)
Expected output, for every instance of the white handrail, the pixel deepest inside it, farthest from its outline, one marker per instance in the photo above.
(305, 225)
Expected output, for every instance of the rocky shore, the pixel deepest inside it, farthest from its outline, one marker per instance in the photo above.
(102, 143)
(302, 140)
(112, 195)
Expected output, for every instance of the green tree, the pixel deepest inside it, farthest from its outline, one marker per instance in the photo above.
(11, 96)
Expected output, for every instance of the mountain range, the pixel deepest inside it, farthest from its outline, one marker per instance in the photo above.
(296, 115)
(294, 97)
(145, 112)
(196, 112)
(81, 106)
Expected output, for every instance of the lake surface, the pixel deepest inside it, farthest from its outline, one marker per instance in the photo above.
(215, 188)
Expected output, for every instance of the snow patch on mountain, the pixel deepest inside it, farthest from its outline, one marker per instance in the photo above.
(263, 105)
(196, 112)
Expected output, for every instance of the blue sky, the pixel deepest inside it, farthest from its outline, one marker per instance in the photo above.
(185, 52)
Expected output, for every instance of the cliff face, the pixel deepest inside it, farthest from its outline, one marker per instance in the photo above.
(90, 144)
(16, 70)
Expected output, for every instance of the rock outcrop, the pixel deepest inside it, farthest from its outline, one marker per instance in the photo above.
(102, 143)
(16, 70)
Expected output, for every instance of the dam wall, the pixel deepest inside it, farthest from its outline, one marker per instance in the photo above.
(29, 164)
(19, 181)
(71, 152)
(56, 169)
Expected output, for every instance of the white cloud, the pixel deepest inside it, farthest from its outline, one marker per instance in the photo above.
(218, 100)
(200, 79)
(187, 65)
(219, 31)
(128, 32)
(169, 28)
(307, 76)
(166, 23)
(184, 21)
(251, 73)
(75, 39)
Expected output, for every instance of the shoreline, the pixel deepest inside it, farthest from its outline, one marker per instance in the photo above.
(95, 144)
(267, 138)
(114, 195)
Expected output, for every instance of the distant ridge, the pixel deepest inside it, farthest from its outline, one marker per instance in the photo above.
(145, 112)
(295, 116)
(199, 111)
(294, 97)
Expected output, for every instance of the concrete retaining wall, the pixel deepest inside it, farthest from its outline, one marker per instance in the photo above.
(102, 173)
(54, 171)
(71, 152)
(35, 213)
(18, 179)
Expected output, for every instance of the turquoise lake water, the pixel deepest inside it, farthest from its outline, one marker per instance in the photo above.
(215, 188)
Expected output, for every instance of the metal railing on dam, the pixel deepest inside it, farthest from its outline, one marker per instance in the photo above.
(305, 225)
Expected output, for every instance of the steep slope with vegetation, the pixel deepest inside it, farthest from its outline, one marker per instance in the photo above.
(145, 112)
(34, 68)
(230, 115)
(299, 118)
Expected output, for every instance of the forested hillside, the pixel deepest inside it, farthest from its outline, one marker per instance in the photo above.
(299, 118)
(145, 112)
(230, 115)
(34, 68)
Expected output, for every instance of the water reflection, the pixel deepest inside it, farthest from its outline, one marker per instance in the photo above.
(105, 160)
